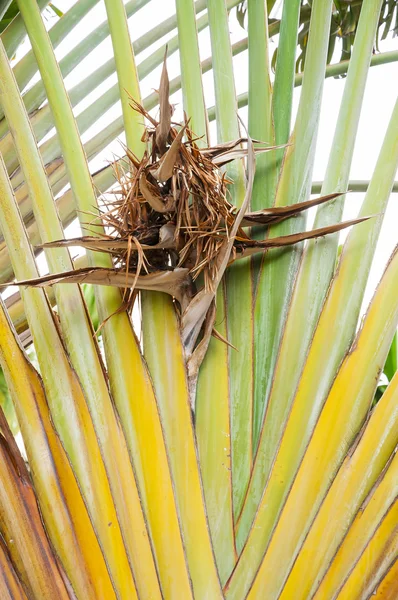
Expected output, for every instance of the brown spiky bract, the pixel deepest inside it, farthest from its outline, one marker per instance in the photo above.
(177, 194)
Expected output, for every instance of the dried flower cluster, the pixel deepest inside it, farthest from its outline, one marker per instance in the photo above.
(170, 219)
(172, 204)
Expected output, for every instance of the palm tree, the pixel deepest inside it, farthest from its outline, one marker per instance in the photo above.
(237, 450)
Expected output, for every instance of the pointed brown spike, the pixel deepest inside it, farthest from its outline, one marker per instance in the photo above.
(212, 151)
(224, 158)
(166, 240)
(165, 169)
(217, 335)
(288, 240)
(166, 110)
(279, 213)
(176, 283)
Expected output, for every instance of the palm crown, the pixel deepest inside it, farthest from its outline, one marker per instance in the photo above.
(238, 449)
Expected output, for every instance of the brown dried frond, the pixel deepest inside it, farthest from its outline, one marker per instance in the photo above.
(174, 183)
(171, 211)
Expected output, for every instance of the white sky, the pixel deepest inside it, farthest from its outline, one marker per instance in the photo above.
(380, 96)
